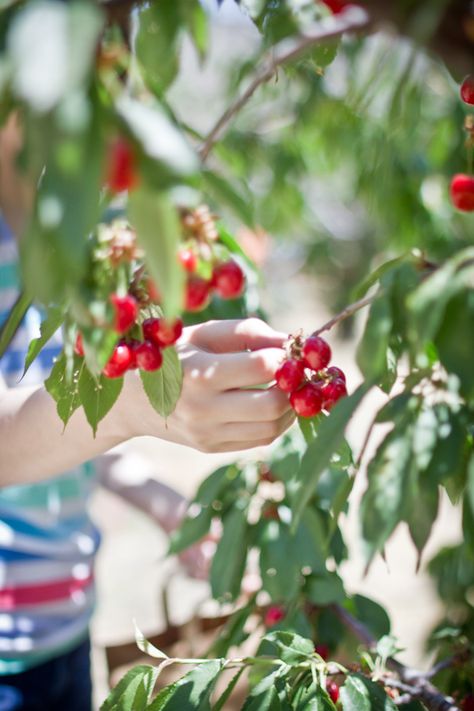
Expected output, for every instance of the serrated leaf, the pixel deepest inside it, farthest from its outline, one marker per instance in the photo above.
(158, 231)
(318, 455)
(316, 699)
(291, 648)
(229, 560)
(48, 328)
(194, 690)
(13, 320)
(98, 395)
(265, 696)
(133, 691)
(191, 530)
(361, 694)
(64, 391)
(163, 386)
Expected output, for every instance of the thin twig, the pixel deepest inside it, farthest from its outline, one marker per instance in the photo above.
(284, 52)
(346, 313)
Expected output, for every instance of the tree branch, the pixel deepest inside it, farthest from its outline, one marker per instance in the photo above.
(286, 51)
(346, 313)
(411, 681)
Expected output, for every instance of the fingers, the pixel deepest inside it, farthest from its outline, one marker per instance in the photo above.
(249, 432)
(228, 371)
(249, 406)
(235, 335)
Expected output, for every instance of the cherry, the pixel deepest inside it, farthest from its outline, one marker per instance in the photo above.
(78, 346)
(307, 401)
(316, 353)
(467, 89)
(188, 259)
(323, 651)
(119, 362)
(121, 171)
(197, 294)
(335, 372)
(332, 392)
(290, 375)
(333, 690)
(337, 6)
(148, 356)
(467, 703)
(274, 615)
(228, 279)
(161, 332)
(126, 311)
(462, 192)
(266, 474)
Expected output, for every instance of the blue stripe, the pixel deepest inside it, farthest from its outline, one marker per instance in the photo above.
(10, 556)
(14, 360)
(57, 532)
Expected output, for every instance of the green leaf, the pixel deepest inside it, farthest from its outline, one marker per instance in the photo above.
(191, 530)
(197, 23)
(163, 386)
(455, 340)
(133, 691)
(158, 231)
(232, 634)
(147, 647)
(319, 452)
(225, 696)
(316, 699)
(230, 557)
(280, 568)
(233, 246)
(325, 589)
(376, 275)
(309, 549)
(373, 348)
(98, 396)
(13, 320)
(422, 517)
(223, 191)
(371, 614)
(265, 696)
(215, 484)
(156, 43)
(361, 694)
(194, 690)
(65, 392)
(291, 648)
(48, 328)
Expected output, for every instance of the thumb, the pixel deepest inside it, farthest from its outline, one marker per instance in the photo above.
(236, 335)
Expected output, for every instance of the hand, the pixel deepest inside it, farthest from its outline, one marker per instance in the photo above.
(220, 408)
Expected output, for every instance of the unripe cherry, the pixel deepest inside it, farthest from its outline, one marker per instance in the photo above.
(121, 171)
(307, 401)
(78, 346)
(335, 372)
(119, 362)
(148, 356)
(462, 192)
(188, 259)
(274, 615)
(290, 375)
(316, 352)
(467, 89)
(197, 294)
(333, 690)
(228, 279)
(332, 392)
(126, 312)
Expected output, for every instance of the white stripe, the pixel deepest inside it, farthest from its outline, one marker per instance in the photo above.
(46, 571)
(24, 644)
(82, 543)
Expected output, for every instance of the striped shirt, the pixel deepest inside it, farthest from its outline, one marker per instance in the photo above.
(47, 540)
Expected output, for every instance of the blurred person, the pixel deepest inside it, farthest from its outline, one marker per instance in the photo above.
(47, 474)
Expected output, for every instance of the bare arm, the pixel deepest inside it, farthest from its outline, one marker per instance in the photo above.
(214, 413)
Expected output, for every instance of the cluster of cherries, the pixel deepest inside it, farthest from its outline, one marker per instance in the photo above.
(132, 353)
(198, 255)
(306, 377)
(462, 184)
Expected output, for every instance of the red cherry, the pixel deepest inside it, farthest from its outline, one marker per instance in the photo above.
(333, 690)
(150, 327)
(133, 344)
(332, 392)
(188, 260)
(467, 89)
(337, 6)
(290, 375)
(274, 615)
(197, 294)
(163, 333)
(307, 401)
(323, 651)
(228, 279)
(462, 192)
(148, 356)
(335, 372)
(119, 362)
(121, 172)
(316, 352)
(78, 346)
(467, 703)
(126, 311)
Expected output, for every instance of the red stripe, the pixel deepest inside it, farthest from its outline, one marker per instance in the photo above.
(37, 594)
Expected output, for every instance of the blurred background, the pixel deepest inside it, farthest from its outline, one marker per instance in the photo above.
(364, 178)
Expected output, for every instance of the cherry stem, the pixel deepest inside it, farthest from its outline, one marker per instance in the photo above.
(285, 51)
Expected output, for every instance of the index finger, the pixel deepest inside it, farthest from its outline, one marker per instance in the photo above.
(235, 335)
